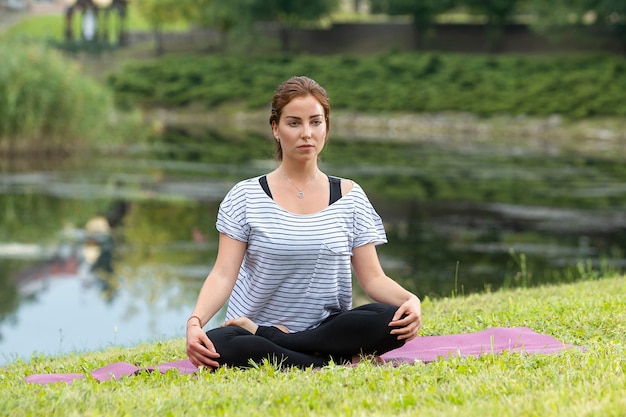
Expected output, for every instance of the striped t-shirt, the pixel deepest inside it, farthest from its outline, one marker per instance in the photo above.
(296, 270)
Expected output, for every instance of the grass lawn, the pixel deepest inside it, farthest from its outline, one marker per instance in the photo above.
(574, 383)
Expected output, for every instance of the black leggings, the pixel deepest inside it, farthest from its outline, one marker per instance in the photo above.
(360, 331)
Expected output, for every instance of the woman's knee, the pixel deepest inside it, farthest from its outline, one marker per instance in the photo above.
(223, 338)
(384, 312)
(379, 332)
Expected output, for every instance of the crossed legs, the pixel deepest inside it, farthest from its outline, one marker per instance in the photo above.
(360, 331)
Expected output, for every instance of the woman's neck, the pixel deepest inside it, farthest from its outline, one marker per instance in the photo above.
(299, 173)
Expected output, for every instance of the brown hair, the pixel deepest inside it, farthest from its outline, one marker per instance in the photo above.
(299, 86)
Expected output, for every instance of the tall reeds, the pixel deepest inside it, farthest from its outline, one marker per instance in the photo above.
(46, 104)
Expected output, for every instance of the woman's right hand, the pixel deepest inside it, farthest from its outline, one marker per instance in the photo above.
(214, 293)
(200, 349)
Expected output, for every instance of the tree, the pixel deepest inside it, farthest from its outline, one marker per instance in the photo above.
(291, 14)
(224, 16)
(422, 12)
(498, 13)
(567, 14)
(559, 13)
(612, 13)
(161, 12)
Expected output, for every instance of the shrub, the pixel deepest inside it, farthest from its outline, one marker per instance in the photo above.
(46, 104)
(573, 86)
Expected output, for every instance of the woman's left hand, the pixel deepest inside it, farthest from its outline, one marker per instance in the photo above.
(407, 320)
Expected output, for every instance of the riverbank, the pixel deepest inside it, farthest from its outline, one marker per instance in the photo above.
(589, 314)
(554, 135)
(594, 136)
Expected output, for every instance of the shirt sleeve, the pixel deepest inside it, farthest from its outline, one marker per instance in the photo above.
(368, 226)
(231, 217)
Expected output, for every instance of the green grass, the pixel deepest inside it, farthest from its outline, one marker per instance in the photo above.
(574, 383)
(38, 27)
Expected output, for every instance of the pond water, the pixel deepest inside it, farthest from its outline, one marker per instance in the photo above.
(103, 250)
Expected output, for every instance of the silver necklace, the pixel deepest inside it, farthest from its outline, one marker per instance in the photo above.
(300, 193)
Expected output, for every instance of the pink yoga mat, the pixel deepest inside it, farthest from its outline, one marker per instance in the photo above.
(423, 349)
(494, 340)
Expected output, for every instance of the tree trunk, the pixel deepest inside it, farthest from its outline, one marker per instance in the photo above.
(283, 35)
(159, 47)
(68, 33)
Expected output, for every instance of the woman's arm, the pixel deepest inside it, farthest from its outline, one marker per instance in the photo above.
(379, 287)
(213, 295)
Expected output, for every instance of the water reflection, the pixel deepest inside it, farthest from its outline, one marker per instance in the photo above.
(100, 250)
(444, 247)
(100, 285)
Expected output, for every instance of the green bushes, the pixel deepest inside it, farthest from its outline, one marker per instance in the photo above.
(573, 86)
(45, 102)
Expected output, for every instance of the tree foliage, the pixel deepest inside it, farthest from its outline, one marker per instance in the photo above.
(558, 15)
(223, 16)
(159, 13)
(496, 11)
(162, 12)
(242, 15)
(292, 14)
(422, 12)
(498, 14)
(228, 16)
(548, 16)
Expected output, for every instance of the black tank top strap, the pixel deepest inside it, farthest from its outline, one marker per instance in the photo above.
(266, 188)
(335, 189)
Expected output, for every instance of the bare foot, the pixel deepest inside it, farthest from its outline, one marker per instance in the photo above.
(281, 328)
(249, 325)
(244, 323)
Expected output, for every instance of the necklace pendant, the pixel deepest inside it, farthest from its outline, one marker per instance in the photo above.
(300, 195)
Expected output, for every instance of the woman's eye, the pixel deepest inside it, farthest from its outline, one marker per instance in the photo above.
(293, 124)
(316, 122)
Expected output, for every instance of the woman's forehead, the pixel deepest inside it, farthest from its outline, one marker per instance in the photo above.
(307, 106)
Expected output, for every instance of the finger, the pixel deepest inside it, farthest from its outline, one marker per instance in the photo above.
(208, 352)
(202, 356)
(403, 330)
(409, 335)
(199, 360)
(408, 330)
(403, 321)
(401, 311)
(201, 345)
(207, 362)
(204, 351)
(408, 339)
(205, 343)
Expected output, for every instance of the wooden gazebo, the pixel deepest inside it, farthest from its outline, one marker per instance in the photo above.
(95, 19)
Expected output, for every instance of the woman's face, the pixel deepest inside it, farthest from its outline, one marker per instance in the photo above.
(301, 129)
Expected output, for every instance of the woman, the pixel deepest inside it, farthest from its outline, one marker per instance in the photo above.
(288, 241)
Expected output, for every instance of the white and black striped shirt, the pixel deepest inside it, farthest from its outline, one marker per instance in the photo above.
(296, 270)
